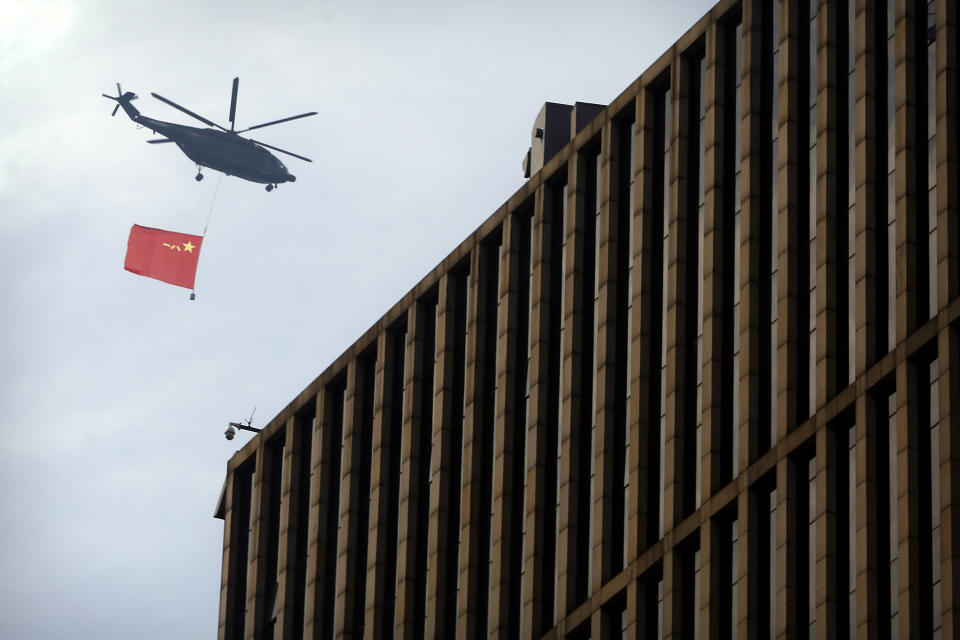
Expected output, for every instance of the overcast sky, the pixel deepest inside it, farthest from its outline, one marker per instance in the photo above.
(115, 389)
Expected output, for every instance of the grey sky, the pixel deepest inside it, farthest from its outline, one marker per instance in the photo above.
(115, 389)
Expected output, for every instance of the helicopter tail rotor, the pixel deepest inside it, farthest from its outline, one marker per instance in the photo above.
(121, 98)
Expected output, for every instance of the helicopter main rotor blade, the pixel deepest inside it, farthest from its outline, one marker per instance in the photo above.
(233, 102)
(188, 112)
(264, 144)
(267, 124)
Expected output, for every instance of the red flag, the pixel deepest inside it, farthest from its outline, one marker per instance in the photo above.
(163, 255)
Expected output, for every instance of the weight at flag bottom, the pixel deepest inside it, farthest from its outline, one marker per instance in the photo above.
(167, 256)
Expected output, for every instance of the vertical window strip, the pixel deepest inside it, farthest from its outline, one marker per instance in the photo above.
(766, 555)
(393, 425)
(239, 548)
(889, 247)
(770, 249)
(734, 577)
(844, 441)
(664, 173)
(729, 285)
(428, 310)
(562, 328)
(809, 248)
(304, 438)
(737, 204)
(803, 214)
(842, 198)
(523, 302)
(811, 551)
(626, 246)
(270, 504)
(362, 444)
(659, 608)
(929, 23)
(334, 401)
(489, 289)
(698, 273)
(890, 585)
(624, 141)
(587, 340)
(850, 515)
(933, 465)
(693, 321)
(919, 190)
(851, 184)
(556, 213)
(459, 284)
(690, 590)
(922, 494)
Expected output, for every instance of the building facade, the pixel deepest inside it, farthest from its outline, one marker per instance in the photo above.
(696, 378)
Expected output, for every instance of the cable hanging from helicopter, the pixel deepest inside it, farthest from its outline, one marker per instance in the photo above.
(217, 147)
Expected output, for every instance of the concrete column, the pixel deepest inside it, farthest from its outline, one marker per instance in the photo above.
(415, 457)
(910, 58)
(228, 580)
(711, 551)
(869, 555)
(444, 468)
(790, 619)
(748, 561)
(610, 411)
(354, 505)
(869, 175)
(678, 297)
(506, 538)
(831, 203)
(948, 280)
(381, 564)
(948, 152)
(472, 611)
(681, 342)
(644, 362)
(829, 538)
(753, 384)
(324, 501)
(949, 361)
(793, 291)
(794, 211)
(754, 206)
(290, 520)
(256, 561)
(606, 411)
(575, 404)
(540, 531)
(717, 310)
(913, 545)
(717, 408)
(644, 351)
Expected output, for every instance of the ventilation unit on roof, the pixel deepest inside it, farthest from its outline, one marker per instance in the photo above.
(555, 125)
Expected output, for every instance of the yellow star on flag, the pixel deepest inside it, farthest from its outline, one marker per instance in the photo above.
(187, 246)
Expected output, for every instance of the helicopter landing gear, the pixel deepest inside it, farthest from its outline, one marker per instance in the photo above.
(270, 188)
(199, 177)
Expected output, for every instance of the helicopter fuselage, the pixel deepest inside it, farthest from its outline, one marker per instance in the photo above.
(222, 151)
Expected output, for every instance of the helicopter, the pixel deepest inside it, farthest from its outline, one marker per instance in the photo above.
(224, 150)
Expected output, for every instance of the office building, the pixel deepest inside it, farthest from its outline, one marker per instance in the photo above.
(696, 378)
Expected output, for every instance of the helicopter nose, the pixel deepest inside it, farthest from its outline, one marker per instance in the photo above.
(291, 177)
